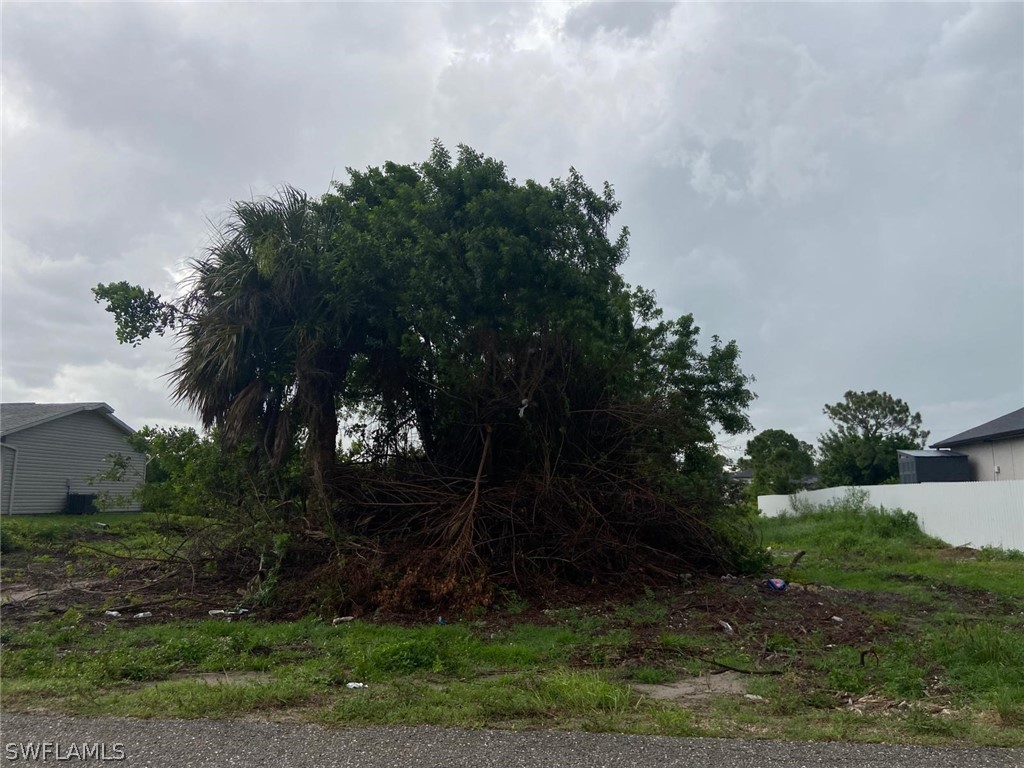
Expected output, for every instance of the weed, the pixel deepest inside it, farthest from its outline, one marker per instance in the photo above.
(192, 699)
(581, 692)
(923, 723)
(778, 642)
(513, 603)
(984, 662)
(406, 657)
(886, 619)
(1008, 704)
(606, 649)
(71, 618)
(652, 675)
(644, 613)
(990, 554)
(683, 642)
(581, 623)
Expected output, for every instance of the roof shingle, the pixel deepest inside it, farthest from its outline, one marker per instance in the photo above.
(1010, 425)
(15, 417)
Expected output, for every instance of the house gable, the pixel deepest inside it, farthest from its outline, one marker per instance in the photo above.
(58, 454)
(15, 417)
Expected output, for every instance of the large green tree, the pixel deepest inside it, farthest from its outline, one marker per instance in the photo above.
(869, 428)
(490, 293)
(779, 462)
(500, 382)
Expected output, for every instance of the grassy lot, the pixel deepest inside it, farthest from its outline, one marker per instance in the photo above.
(957, 615)
(882, 635)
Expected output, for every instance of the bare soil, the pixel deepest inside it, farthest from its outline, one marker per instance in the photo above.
(699, 687)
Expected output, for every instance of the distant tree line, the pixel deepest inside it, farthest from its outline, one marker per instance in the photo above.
(860, 449)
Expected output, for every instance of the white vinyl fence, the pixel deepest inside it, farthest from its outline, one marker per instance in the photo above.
(978, 514)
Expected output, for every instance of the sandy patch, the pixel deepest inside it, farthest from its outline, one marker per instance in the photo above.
(695, 688)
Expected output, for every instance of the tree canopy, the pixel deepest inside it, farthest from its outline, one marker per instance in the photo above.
(499, 389)
(870, 427)
(779, 462)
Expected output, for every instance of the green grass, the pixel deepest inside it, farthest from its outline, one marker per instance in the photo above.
(852, 545)
(985, 665)
(652, 675)
(137, 534)
(938, 658)
(442, 675)
(643, 613)
(61, 649)
(559, 698)
(973, 647)
(189, 699)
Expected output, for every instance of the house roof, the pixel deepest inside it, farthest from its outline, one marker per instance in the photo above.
(14, 417)
(1010, 425)
(930, 454)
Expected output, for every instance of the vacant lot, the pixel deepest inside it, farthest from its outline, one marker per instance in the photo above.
(881, 634)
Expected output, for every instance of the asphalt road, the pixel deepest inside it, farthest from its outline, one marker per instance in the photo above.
(221, 744)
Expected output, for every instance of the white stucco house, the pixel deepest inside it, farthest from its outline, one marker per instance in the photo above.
(995, 449)
(49, 452)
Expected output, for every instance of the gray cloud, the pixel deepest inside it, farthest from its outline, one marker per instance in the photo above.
(635, 19)
(838, 187)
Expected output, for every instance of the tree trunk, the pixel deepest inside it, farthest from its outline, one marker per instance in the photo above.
(324, 455)
(322, 420)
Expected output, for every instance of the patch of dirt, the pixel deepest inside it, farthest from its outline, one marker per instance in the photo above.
(217, 678)
(872, 704)
(19, 594)
(695, 688)
(958, 554)
(43, 589)
(22, 593)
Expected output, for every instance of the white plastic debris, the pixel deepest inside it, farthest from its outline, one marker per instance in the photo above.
(342, 620)
(522, 410)
(753, 697)
(112, 614)
(102, 525)
(726, 627)
(837, 619)
(143, 615)
(355, 685)
(222, 612)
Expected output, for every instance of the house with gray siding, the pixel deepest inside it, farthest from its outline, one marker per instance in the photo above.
(49, 451)
(995, 449)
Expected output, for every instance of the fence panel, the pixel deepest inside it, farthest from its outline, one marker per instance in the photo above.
(979, 514)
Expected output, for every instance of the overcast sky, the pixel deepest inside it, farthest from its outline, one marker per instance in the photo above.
(839, 188)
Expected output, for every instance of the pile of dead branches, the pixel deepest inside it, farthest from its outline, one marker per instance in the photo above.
(414, 540)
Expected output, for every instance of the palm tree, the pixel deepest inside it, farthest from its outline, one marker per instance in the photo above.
(265, 352)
